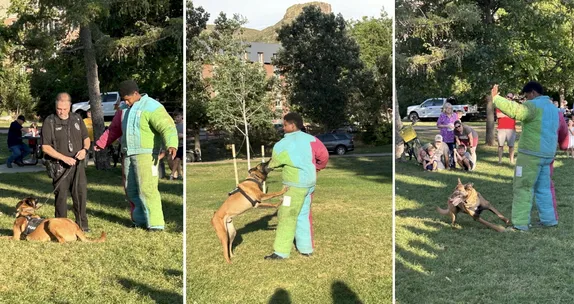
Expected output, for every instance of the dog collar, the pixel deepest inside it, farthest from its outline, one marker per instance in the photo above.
(257, 182)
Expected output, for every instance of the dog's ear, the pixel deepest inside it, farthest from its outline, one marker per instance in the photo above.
(459, 181)
(20, 203)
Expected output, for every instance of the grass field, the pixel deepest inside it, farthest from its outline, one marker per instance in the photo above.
(471, 263)
(352, 219)
(132, 266)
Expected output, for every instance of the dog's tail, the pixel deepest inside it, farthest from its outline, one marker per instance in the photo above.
(442, 211)
(219, 224)
(80, 234)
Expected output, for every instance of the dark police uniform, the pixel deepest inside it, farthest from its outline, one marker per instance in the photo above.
(67, 137)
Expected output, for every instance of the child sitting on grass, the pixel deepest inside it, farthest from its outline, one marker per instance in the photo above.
(463, 158)
(430, 162)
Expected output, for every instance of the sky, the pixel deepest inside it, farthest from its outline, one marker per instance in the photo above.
(264, 13)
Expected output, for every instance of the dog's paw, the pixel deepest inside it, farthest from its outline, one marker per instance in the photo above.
(285, 189)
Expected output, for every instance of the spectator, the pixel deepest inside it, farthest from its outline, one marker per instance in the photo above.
(463, 158)
(18, 149)
(467, 136)
(506, 132)
(445, 124)
(442, 152)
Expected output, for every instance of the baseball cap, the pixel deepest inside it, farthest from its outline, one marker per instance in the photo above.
(438, 138)
(22, 118)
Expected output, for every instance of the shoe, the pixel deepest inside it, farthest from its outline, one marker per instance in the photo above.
(273, 256)
(308, 255)
(154, 230)
(87, 230)
(19, 163)
(9, 165)
(171, 177)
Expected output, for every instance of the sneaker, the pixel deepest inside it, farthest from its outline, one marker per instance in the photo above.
(308, 255)
(9, 165)
(19, 163)
(170, 177)
(273, 256)
(87, 230)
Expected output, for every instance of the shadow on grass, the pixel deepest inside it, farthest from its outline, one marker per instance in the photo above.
(281, 296)
(6, 231)
(342, 294)
(378, 169)
(159, 296)
(260, 224)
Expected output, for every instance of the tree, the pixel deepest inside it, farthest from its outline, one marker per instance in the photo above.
(15, 94)
(241, 92)
(197, 92)
(372, 98)
(320, 63)
(47, 28)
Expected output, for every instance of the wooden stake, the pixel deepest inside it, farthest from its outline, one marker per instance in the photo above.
(235, 164)
(263, 160)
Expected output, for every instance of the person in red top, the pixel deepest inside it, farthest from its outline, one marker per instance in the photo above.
(506, 130)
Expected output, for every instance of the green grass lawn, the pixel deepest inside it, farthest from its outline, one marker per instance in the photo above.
(471, 263)
(132, 266)
(352, 211)
(366, 149)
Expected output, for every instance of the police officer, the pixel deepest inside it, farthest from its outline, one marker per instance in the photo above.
(65, 142)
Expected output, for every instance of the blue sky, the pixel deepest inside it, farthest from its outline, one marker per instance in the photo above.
(264, 13)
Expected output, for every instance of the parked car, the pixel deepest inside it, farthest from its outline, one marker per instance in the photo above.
(432, 107)
(109, 99)
(339, 143)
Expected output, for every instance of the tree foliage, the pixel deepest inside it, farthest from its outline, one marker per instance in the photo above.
(461, 48)
(242, 93)
(321, 65)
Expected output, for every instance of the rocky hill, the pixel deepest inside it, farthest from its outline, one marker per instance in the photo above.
(269, 34)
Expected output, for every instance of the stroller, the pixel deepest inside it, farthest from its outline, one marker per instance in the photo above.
(412, 143)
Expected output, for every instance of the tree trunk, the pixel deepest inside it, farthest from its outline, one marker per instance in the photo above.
(489, 121)
(399, 143)
(101, 158)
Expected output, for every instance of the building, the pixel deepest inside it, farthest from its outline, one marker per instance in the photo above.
(263, 53)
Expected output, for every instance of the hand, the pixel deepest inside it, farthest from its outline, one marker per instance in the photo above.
(97, 148)
(172, 152)
(69, 161)
(81, 154)
(494, 91)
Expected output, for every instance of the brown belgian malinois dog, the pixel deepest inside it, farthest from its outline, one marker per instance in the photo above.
(31, 227)
(247, 195)
(465, 198)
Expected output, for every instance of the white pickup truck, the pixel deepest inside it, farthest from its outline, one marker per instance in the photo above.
(432, 108)
(109, 99)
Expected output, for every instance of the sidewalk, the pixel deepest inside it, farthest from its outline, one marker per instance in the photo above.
(258, 159)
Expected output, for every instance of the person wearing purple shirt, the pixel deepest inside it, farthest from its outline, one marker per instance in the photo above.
(445, 124)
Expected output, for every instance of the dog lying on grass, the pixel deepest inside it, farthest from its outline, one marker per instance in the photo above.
(247, 195)
(465, 198)
(31, 227)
